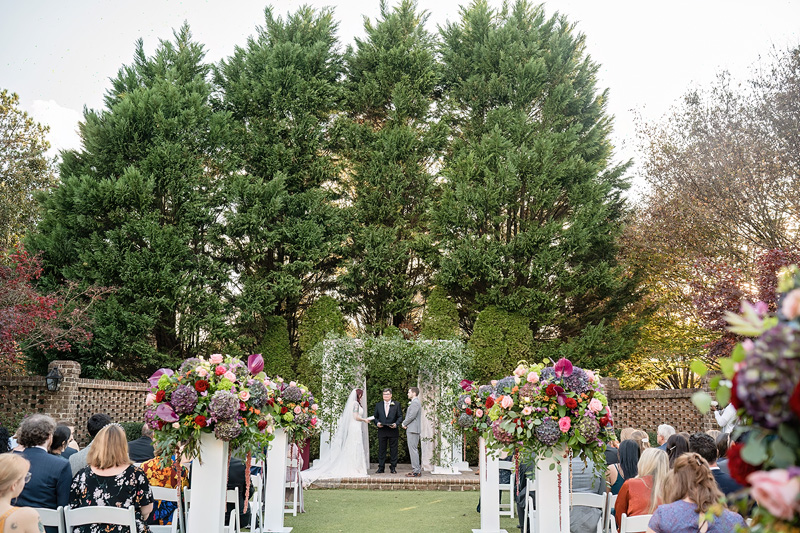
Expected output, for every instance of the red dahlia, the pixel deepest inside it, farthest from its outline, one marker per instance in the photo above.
(571, 403)
(284, 410)
(160, 396)
(262, 424)
(468, 411)
(738, 467)
(200, 420)
(489, 402)
(550, 390)
(201, 385)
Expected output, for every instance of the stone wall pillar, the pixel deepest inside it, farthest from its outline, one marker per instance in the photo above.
(63, 404)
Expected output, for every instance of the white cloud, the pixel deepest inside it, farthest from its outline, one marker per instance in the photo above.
(63, 122)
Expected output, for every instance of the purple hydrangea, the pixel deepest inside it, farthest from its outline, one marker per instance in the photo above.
(548, 432)
(184, 399)
(189, 365)
(227, 430)
(577, 381)
(771, 372)
(462, 401)
(224, 405)
(547, 374)
(501, 435)
(293, 394)
(528, 391)
(301, 419)
(484, 391)
(150, 417)
(465, 420)
(258, 393)
(589, 427)
(507, 382)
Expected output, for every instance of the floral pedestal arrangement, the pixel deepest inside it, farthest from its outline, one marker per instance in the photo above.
(276, 483)
(490, 487)
(551, 484)
(208, 494)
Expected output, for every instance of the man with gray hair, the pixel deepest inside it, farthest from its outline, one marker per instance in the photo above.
(665, 431)
(50, 474)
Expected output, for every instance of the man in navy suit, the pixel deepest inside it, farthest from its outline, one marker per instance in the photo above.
(141, 449)
(705, 445)
(51, 475)
(388, 417)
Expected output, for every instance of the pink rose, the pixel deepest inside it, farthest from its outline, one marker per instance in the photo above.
(467, 400)
(292, 384)
(479, 413)
(220, 370)
(533, 377)
(314, 421)
(202, 372)
(595, 405)
(527, 410)
(230, 376)
(776, 491)
(150, 398)
(507, 402)
(314, 407)
(494, 383)
(216, 358)
(176, 425)
(791, 304)
(519, 371)
(564, 424)
(298, 409)
(244, 395)
(589, 375)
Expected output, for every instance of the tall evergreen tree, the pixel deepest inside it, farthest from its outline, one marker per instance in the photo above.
(285, 232)
(531, 209)
(391, 144)
(139, 209)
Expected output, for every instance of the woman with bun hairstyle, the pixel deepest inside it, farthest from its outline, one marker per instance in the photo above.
(689, 493)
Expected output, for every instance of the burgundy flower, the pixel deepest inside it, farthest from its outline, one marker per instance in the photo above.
(738, 467)
(571, 403)
(255, 364)
(468, 411)
(563, 368)
(489, 402)
(166, 413)
(200, 420)
(262, 424)
(284, 410)
(160, 396)
(794, 401)
(201, 385)
(550, 390)
(466, 384)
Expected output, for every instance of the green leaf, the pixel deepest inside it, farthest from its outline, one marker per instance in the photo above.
(755, 452)
(699, 368)
(701, 400)
(738, 353)
(789, 435)
(723, 395)
(726, 365)
(714, 383)
(782, 455)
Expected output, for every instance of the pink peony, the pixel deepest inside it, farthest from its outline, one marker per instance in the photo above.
(776, 491)
(244, 395)
(298, 409)
(507, 402)
(595, 405)
(479, 413)
(230, 376)
(150, 399)
(564, 424)
(202, 372)
(527, 410)
(519, 371)
(467, 400)
(533, 377)
(216, 358)
(791, 304)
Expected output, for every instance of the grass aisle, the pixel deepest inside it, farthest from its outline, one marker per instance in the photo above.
(401, 511)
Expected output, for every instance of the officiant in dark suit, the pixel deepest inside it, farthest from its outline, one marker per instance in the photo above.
(388, 417)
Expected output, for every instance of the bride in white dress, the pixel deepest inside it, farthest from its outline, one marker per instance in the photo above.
(348, 455)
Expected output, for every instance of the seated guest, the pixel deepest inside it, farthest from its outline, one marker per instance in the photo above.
(612, 452)
(13, 476)
(50, 475)
(111, 479)
(95, 423)
(626, 433)
(664, 432)
(584, 519)
(236, 480)
(141, 449)
(713, 433)
(641, 494)
(689, 493)
(61, 437)
(163, 477)
(627, 468)
(676, 446)
(5, 441)
(723, 442)
(704, 445)
(641, 439)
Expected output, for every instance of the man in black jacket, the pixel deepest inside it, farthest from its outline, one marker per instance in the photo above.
(388, 417)
(706, 447)
(141, 449)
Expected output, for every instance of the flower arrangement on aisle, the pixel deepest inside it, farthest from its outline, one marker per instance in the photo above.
(762, 381)
(225, 396)
(538, 410)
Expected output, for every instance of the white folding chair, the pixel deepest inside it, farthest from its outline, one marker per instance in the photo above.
(116, 516)
(507, 509)
(255, 505)
(166, 494)
(530, 512)
(634, 524)
(610, 524)
(52, 518)
(587, 499)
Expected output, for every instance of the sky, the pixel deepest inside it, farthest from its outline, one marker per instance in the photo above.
(58, 56)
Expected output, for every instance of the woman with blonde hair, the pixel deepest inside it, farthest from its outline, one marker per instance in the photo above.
(111, 479)
(642, 494)
(641, 439)
(13, 476)
(689, 492)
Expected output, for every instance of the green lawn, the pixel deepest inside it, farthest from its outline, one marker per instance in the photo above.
(401, 511)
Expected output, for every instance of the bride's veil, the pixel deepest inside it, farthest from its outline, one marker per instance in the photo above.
(343, 426)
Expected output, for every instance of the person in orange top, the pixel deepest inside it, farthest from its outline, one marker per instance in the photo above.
(640, 495)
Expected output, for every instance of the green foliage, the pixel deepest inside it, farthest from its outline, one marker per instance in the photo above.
(531, 205)
(24, 169)
(138, 209)
(320, 318)
(133, 430)
(500, 340)
(284, 231)
(440, 319)
(391, 140)
(275, 349)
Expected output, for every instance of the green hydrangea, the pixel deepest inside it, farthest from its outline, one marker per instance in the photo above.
(224, 384)
(288, 417)
(163, 381)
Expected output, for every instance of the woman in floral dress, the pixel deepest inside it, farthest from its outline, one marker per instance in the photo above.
(111, 479)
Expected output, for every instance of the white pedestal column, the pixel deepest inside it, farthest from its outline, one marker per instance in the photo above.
(324, 445)
(552, 508)
(276, 484)
(490, 492)
(207, 509)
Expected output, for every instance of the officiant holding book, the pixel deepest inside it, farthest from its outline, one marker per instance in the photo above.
(388, 417)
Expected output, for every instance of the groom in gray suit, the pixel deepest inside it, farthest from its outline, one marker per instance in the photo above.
(412, 425)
